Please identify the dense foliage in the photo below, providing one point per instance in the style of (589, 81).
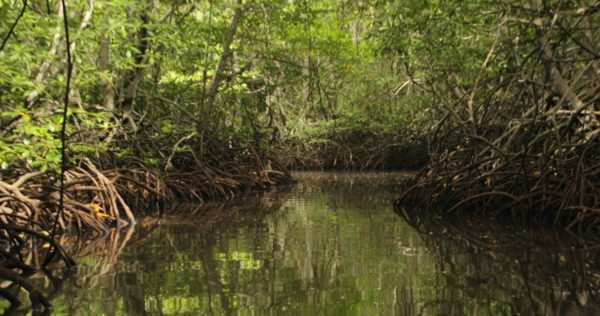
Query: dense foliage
(497, 100)
(258, 72)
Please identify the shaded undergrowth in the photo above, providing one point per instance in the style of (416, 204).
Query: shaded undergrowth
(356, 147)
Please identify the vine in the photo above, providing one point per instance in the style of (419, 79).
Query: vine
(63, 134)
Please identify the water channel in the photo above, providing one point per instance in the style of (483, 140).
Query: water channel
(330, 245)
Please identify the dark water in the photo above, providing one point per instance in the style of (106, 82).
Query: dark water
(331, 245)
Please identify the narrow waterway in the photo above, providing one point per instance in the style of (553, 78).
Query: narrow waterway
(330, 245)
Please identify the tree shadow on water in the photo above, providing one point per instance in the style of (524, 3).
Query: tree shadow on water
(488, 268)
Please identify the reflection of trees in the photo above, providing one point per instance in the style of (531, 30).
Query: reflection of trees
(51, 281)
(329, 254)
(240, 257)
(202, 271)
(209, 271)
(97, 261)
(330, 249)
(364, 191)
(490, 269)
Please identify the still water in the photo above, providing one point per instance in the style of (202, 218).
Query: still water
(330, 245)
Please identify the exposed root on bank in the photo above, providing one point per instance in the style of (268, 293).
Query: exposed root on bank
(28, 207)
(223, 178)
(92, 201)
(206, 168)
(97, 200)
(559, 186)
(526, 143)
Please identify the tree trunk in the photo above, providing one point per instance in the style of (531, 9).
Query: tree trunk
(225, 57)
(108, 93)
(132, 79)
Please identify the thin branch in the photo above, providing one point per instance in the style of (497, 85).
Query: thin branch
(12, 27)
(63, 132)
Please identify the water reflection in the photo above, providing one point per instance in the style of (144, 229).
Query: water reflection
(96, 257)
(485, 268)
(328, 246)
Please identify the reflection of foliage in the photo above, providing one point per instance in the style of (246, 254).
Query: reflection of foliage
(166, 280)
(364, 191)
(332, 251)
(328, 250)
(501, 270)
(245, 259)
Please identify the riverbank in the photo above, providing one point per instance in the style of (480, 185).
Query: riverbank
(97, 198)
(296, 251)
(107, 194)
